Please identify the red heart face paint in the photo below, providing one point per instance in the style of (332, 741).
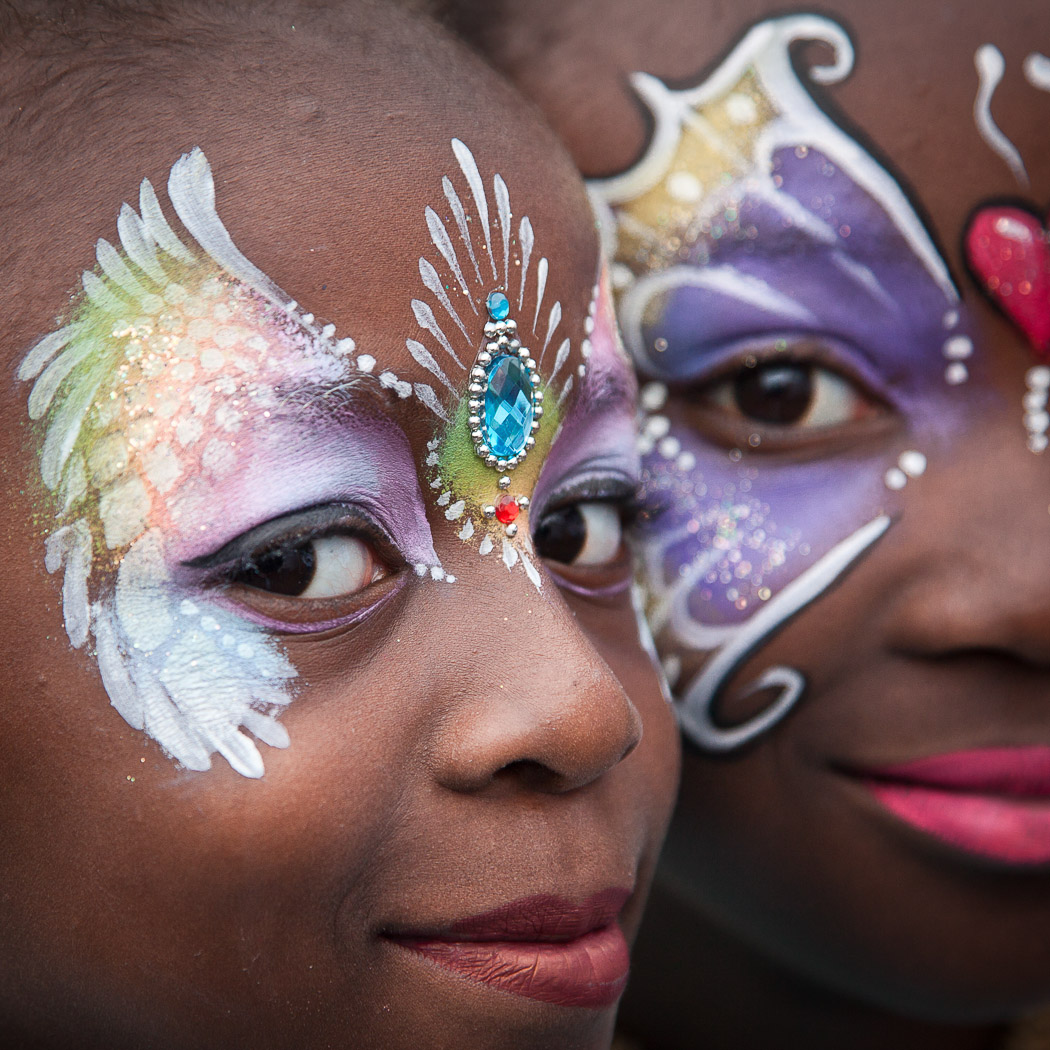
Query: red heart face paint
(1009, 252)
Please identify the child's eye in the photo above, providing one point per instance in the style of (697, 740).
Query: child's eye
(581, 534)
(323, 567)
(790, 394)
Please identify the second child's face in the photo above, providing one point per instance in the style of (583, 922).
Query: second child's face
(304, 704)
(843, 331)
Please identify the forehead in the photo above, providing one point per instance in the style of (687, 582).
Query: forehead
(323, 179)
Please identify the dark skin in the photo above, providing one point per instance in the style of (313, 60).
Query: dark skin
(790, 911)
(146, 905)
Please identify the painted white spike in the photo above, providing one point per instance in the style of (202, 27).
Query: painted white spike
(42, 352)
(157, 226)
(433, 282)
(443, 243)
(95, 289)
(430, 400)
(467, 531)
(502, 195)
(469, 167)
(266, 729)
(426, 359)
(560, 358)
(526, 239)
(510, 554)
(552, 324)
(541, 287)
(138, 245)
(114, 267)
(64, 429)
(45, 388)
(990, 65)
(531, 571)
(119, 687)
(192, 192)
(565, 391)
(460, 216)
(426, 319)
(486, 545)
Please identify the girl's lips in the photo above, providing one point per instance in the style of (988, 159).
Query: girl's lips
(993, 802)
(543, 948)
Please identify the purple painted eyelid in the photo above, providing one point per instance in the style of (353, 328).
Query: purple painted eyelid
(281, 627)
(849, 359)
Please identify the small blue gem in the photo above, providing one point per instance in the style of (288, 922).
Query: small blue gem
(508, 407)
(498, 306)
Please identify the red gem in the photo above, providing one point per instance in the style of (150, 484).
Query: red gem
(506, 509)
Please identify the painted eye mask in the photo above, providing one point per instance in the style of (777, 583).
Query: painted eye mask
(223, 470)
(794, 318)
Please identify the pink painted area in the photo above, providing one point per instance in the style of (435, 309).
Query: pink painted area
(1008, 250)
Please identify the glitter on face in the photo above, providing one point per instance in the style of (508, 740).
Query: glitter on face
(744, 171)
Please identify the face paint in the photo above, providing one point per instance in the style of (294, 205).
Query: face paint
(1007, 248)
(499, 353)
(172, 405)
(759, 247)
(990, 65)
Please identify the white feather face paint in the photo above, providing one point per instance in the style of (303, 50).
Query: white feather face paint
(757, 242)
(157, 401)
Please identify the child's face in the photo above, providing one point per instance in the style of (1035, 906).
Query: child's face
(286, 704)
(847, 554)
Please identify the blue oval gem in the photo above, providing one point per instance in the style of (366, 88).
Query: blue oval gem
(498, 306)
(508, 407)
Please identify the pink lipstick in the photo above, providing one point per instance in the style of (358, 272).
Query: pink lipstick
(542, 947)
(993, 802)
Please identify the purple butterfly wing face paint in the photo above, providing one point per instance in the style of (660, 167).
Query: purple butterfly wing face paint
(760, 249)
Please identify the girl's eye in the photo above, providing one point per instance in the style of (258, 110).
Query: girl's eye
(790, 394)
(581, 534)
(324, 567)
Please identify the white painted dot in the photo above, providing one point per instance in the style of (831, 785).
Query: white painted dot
(1034, 400)
(956, 373)
(366, 362)
(245, 651)
(653, 396)
(741, 108)
(1038, 378)
(950, 319)
(588, 325)
(685, 187)
(958, 348)
(670, 447)
(686, 461)
(912, 463)
(420, 569)
(620, 276)
(436, 572)
(657, 426)
(895, 479)
(1037, 422)
(1037, 443)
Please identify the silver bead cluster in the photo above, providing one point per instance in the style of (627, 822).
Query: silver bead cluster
(501, 338)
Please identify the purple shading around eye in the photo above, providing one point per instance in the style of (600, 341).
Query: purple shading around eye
(818, 256)
(305, 457)
(598, 435)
